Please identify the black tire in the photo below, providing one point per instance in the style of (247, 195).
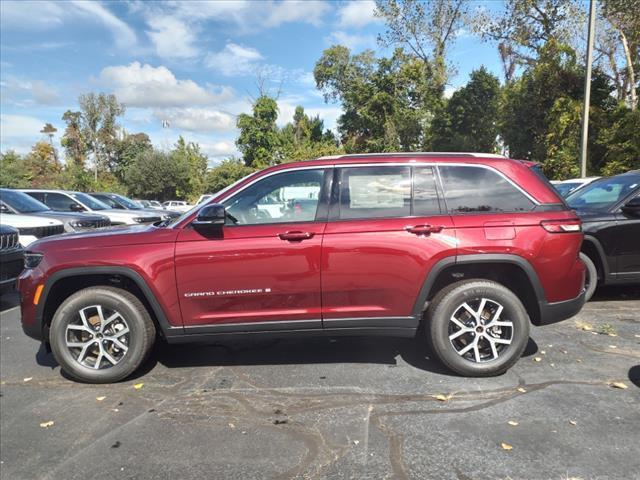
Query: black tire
(140, 338)
(449, 301)
(591, 278)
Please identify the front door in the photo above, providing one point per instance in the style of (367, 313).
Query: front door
(263, 266)
(385, 232)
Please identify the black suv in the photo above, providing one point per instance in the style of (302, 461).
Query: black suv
(610, 212)
(11, 258)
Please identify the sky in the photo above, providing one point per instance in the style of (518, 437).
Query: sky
(193, 65)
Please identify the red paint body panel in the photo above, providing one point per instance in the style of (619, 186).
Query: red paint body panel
(285, 274)
(375, 268)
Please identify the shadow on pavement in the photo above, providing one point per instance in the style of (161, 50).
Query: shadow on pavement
(616, 292)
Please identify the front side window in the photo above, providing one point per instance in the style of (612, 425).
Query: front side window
(89, 201)
(108, 201)
(471, 189)
(281, 198)
(21, 202)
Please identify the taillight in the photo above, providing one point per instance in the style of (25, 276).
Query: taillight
(562, 226)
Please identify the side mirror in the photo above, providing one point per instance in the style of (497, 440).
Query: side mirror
(210, 215)
(74, 207)
(632, 207)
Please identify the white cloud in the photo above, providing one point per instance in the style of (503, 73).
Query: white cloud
(197, 119)
(357, 13)
(138, 85)
(234, 60)
(44, 14)
(172, 37)
(287, 107)
(220, 149)
(352, 42)
(296, 11)
(123, 35)
(22, 92)
(20, 132)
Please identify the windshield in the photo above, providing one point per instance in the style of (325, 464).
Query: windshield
(22, 202)
(89, 201)
(200, 205)
(603, 194)
(127, 202)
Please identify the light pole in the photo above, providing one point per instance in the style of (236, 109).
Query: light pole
(587, 90)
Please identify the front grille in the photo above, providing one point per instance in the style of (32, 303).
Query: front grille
(40, 232)
(91, 224)
(11, 269)
(9, 241)
(151, 219)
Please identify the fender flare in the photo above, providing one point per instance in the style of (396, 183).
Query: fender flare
(477, 259)
(127, 272)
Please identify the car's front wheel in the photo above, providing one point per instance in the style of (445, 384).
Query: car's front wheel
(591, 276)
(101, 334)
(477, 328)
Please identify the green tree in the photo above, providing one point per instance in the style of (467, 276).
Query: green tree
(306, 138)
(424, 29)
(388, 103)
(225, 173)
(98, 121)
(13, 171)
(259, 139)
(127, 150)
(620, 140)
(73, 140)
(188, 153)
(43, 170)
(156, 174)
(470, 120)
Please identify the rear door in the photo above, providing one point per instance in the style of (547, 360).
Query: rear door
(385, 232)
(262, 269)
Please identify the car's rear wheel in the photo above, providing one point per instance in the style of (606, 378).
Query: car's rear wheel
(591, 276)
(101, 334)
(477, 328)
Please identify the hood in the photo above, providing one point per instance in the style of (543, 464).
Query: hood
(114, 237)
(27, 221)
(69, 216)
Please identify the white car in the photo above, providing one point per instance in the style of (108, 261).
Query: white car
(565, 187)
(63, 201)
(32, 228)
(177, 205)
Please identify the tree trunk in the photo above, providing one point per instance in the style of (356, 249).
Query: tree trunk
(633, 95)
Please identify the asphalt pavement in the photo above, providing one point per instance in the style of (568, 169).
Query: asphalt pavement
(361, 408)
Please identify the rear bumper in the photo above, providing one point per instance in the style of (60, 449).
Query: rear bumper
(558, 311)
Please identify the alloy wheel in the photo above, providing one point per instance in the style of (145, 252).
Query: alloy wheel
(98, 337)
(477, 332)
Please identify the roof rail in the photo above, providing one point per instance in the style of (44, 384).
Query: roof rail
(412, 154)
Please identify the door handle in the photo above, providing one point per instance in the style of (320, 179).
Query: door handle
(295, 236)
(425, 230)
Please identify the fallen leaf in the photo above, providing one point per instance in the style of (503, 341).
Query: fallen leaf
(579, 361)
(522, 390)
(543, 352)
(46, 424)
(613, 346)
(138, 386)
(442, 398)
(356, 442)
(28, 379)
(612, 334)
(231, 425)
(620, 385)
(513, 423)
(100, 398)
(573, 422)
(506, 446)
(537, 359)
(637, 336)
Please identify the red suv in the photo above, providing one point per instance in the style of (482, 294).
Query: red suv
(471, 247)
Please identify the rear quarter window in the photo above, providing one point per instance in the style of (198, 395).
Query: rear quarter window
(471, 189)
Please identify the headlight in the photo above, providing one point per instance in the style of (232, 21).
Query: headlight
(140, 219)
(77, 224)
(32, 260)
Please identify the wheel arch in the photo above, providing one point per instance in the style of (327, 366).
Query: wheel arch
(512, 271)
(63, 283)
(592, 248)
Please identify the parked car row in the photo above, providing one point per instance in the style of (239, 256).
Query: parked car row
(38, 213)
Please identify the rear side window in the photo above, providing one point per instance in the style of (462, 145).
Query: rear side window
(470, 189)
(59, 202)
(375, 192)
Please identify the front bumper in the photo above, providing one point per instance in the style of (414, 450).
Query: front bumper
(558, 311)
